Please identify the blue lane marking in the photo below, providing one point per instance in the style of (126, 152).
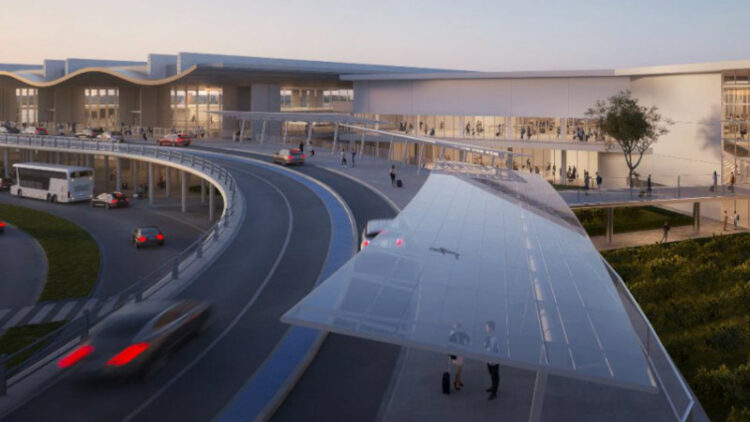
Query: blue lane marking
(257, 394)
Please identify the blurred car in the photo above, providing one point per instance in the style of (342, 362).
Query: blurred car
(89, 133)
(289, 156)
(174, 140)
(2, 226)
(7, 128)
(31, 130)
(5, 183)
(111, 200)
(149, 235)
(3, 129)
(111, 136)
(138, 339)
(371, 230)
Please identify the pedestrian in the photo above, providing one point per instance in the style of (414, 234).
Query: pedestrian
(343, 158)
(354, 154)
(312, 152)
(731, 182)
(726, 220)
(301, 147)
(715, 180)
(648, 185)
(393, 175)
(598, 181)
(492, 346)
(665, 228)
(736, 220)
(586, 181)
(458, 336)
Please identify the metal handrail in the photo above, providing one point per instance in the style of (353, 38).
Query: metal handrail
(652, 341)
(77, 329)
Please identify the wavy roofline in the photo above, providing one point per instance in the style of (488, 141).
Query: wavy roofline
(109, 71)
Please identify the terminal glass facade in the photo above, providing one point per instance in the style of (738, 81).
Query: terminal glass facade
(192, 108)
(27, 105)
(101, 107)
(735, 103)
(301, 99)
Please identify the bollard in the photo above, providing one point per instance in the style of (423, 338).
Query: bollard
(3, 385)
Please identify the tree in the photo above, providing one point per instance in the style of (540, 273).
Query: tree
(634, 127)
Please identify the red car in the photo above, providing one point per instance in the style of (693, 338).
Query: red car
(174, 140)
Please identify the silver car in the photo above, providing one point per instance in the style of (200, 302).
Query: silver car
(108, 136)
(372, 229)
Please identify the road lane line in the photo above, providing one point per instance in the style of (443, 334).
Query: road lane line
(17, 317)
(63, 313)
(42, 313)
(237, 318)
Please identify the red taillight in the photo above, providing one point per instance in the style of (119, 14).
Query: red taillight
(159, 236)
(128, 354)
(399, 242)
(114, 201)
(141, 239)
(290, 157)
(76, 355)
(366, 243)
(2, 224)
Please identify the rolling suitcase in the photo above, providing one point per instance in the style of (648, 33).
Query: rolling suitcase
(399, 183)
(447, 380)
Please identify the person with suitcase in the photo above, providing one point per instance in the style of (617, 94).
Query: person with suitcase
(393, 175)
(458, 336)
(492, 346)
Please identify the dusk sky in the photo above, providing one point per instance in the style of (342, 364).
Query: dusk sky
(474, 35)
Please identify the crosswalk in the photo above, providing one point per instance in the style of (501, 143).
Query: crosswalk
(57, 311)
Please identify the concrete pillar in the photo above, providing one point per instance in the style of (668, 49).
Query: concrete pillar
(133, 175)
(106, 172)
(696, 217)
(564, 165)
(610, 230)
(203, 191)
(406, 151)
(263, 132)
(362, 145)
(151, 183)
(309, 132)
(211, 202)
(563, 128)
(183, 190)
(58, 157)
(118, 174)
(6, 162)
(168, 181)
(335, 137)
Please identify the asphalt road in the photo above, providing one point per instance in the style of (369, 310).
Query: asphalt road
(271, 264)
(349, 377)
(122, 264)
(24, 268)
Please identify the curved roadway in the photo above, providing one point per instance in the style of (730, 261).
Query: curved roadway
(273, 262)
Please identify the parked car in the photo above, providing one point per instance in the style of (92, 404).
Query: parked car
(111, 136)
(7, 128)
(371, 230)
(289, 156)
(111, 200)
(89, 133)
(5, 183)
(137, 340)
(32, 130)
(148, 235)
(174, 140)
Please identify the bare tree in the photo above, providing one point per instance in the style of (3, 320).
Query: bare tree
(635, 128)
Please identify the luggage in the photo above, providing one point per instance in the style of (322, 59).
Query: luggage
(399, 183)
(446, 382)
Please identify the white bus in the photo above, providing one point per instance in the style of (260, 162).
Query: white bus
(53, 182)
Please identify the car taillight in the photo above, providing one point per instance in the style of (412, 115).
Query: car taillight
(159, 236)
(141, 239)
(114, 201)
(127, 199)
(2, 223)
(76, 355)
(366, 243)
(128, 354)
(290, 157)
(399, 242)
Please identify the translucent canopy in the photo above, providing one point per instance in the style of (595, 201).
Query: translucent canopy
(479, 248)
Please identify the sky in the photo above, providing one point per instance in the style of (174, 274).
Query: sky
(488, 35)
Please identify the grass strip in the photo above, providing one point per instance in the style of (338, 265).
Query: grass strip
(17, 338)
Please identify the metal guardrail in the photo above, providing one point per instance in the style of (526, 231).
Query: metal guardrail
(29, 359)
(676, 390)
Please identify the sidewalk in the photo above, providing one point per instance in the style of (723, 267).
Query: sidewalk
(625, 240)
(369, 170)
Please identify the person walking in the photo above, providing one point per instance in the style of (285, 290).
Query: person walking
(731, 182)
(301, 147)
(458, 336)
(354, 154)
(715, 180)
(726, 220)
(343, 158)
(492, 346)
(586, 180)
(598, 181)
(666, 227)
(648, 185)
(392, 173)
(736, 220)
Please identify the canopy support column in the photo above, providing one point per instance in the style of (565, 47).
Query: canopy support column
(390, 149)
(150, 191)
(242, 130)
(420, 160)
(537, 400)
(168, 180)
(6, 162)
(106, 170)
(406, 151)
(133, 175)
(286, 130)
(263, 132)
(362, 145)
(211, 202)
(183, 190)
(335, 137)
(696, 217)
(610, 224)
(309, 133)
(118, 174)
(203, 191)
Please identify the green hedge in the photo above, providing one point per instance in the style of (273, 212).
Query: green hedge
(72, 254)
(696, 293)
(630, 219)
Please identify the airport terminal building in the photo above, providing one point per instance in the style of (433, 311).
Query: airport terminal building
(539, 113)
